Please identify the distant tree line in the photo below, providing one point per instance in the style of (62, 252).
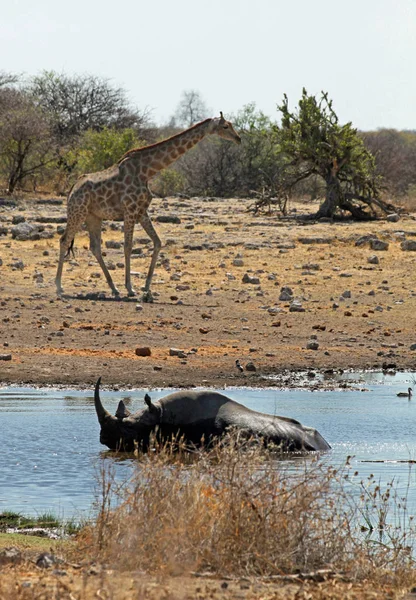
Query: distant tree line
(54, 127)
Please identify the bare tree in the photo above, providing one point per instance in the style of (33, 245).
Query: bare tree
(8, 79)
(191, 109)
(25, 137)
(81, 102)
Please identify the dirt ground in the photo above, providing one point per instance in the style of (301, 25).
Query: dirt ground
(359, 314)
(353, 305)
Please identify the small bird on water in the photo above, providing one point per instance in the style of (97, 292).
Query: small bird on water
(407, 394)
(238, 365)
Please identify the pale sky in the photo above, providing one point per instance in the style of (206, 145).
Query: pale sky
(362, 52)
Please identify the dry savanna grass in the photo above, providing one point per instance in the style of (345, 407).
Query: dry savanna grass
(238, 511)
(231, 522)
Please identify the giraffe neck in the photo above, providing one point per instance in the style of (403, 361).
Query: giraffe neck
(152, 159)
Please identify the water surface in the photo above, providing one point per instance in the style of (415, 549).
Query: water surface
(51, 453)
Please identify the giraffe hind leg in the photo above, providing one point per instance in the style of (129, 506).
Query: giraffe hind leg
(94, 229)
(66, 245)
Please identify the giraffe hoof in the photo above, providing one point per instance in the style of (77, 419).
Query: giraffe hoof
(131, 293)
(147, 297)
(115, 292)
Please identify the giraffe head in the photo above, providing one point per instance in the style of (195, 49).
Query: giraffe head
(224, 129)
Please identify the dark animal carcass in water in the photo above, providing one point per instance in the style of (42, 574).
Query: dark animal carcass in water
(199, 417)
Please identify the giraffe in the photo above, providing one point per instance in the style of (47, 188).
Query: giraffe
(121, 192)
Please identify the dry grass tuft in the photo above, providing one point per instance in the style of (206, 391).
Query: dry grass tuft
(240, 511)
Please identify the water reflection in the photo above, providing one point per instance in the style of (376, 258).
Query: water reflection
(51, 452)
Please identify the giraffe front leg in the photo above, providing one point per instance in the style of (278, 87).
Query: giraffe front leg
(128, 245)
(147, 225)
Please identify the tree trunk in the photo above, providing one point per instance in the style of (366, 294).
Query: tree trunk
(333, 197)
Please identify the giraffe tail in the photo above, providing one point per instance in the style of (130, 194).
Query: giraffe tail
(71, 246)
(71, 249)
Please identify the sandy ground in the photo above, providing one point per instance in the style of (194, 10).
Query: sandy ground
(360, 314)
(202, 305)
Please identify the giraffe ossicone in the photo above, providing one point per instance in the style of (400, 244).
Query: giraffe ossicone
(121, 192)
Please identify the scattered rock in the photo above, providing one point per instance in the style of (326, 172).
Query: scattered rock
(378, 245)
(25, 231)
(250, 366)
(286, 294)
(143, 351)
(413, 347)
(238, 262)
(315, 240)
(112, 244)
(346, 294)
(168, 219)
(312, 345)
(408, 245)
(374, 260)
(248, 279)
(177, 352)
(296, 306)
(17, 264)
(47, 560)
(16, 219)
(393, 218)
(10, 555)
(365, 239)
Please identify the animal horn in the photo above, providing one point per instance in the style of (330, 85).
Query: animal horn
(102, 414)
(221, 116)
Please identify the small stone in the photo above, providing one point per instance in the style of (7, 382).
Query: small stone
(250, 366)
(296, 306)
(373, 260)
(17, 264)
(286, 294)
(139, 307)
(346, 294)
(5, 357)
(46, 560)
(143, 351)
(312, 345)
(176, 352)
(408, 245)
(238, 262)
(10, 555)
(203, 330)
(248, 279)
(393, 218)
(378, 245)
(168, 219)
(413, 347)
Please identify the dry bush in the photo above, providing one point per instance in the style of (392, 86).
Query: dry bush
(242, 511)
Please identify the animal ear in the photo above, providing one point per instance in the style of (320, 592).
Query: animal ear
(148, 400)
(122, 411)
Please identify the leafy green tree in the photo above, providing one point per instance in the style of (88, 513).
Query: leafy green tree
(98, 150)
(259, 157)
(315, 143)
